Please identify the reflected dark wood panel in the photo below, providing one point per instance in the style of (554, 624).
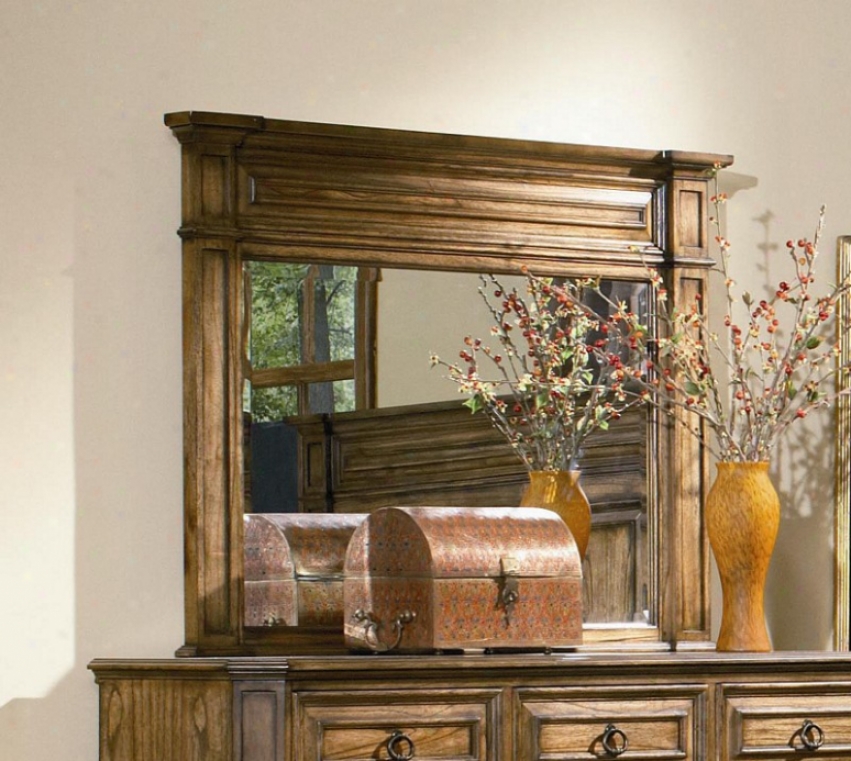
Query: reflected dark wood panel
(439, 454)
(615, 578)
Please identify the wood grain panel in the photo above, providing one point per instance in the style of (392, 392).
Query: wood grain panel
(168, 720)
(615, 572)
(659, 723)
(689, 481)
(454, 724)
(689, 233)
(213, 186)
(215, 440)
(260, 723)
(440, 454)
(765, 721)
(377, 198)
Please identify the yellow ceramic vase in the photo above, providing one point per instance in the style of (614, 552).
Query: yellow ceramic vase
(742, 519)
(559, 491)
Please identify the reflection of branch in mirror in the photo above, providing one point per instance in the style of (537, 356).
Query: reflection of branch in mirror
(538, 378)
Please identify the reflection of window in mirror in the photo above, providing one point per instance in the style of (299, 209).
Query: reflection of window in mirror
(308, 349)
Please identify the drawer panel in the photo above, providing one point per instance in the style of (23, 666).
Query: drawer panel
(371, 727)
(771, 720)
(649, 722)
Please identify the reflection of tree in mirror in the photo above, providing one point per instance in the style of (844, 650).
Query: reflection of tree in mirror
(274, 339)
(300, 338)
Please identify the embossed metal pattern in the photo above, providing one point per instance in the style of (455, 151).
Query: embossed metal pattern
(317, 542)
(266, 552)
(271, 603)
(320, 602)
(547, 613)
(444, 565)
(457, 542)
(385, 598)
(294, 568)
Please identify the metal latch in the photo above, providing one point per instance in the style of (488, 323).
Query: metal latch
(509, 592)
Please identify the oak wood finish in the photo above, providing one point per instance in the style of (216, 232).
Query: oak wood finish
(262, 188)
(272, 189)
(842, 462)
(440, 454)
(533, 707)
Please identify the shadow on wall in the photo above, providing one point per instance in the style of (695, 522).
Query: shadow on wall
(124, 518)
(54, 726)
(799, 593)
(800, 590)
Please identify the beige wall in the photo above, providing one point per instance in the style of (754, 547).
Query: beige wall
(425, 313)
(90, 367)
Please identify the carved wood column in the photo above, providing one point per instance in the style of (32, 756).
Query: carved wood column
(212, 300)
(687, 578)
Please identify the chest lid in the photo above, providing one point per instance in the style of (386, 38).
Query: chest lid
(462, 542)
(297, 545)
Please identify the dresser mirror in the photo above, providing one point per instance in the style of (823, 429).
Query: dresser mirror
(342, 350)
(418, 208)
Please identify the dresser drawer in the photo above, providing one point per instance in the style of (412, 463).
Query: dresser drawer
(775, 721)
(647, 722)
(395, 726)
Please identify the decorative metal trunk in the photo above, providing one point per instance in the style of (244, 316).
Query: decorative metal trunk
(294, 567)
(421, 579)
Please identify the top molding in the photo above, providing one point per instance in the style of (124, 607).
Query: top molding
(182, 122)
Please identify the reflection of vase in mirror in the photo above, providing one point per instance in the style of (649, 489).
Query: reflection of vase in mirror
(561, 492)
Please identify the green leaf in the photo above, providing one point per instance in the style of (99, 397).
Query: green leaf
(692, 388)
(814, 342)
(474, 404)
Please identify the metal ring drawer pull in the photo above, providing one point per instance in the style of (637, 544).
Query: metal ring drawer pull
(400, 747)
(614, 740)
(812, 736)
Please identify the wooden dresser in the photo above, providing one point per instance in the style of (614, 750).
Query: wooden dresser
(646, 684)
(477, 707)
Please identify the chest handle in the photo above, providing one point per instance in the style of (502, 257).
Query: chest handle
(371, 627)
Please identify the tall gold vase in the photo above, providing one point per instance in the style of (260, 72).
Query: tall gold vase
(742, 519)
(560, 491)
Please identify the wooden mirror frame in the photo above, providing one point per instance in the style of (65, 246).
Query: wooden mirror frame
(842, 463)
(271, 189)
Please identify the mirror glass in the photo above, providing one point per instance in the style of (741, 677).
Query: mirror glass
(337, 372)
(300, 339)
